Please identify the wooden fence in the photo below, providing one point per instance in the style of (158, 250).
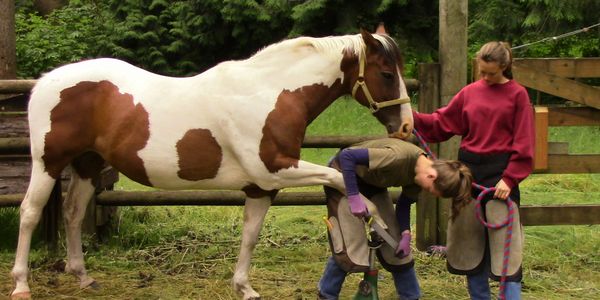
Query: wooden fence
(430, 215)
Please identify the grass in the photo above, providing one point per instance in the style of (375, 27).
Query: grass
(190, 252)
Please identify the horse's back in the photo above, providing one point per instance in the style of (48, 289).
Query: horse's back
(93, 70)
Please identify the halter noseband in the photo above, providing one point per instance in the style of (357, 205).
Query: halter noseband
(360, 82)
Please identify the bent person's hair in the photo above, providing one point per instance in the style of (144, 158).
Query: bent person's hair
(453, 181)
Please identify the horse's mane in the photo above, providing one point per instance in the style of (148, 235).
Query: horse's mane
(331, 46)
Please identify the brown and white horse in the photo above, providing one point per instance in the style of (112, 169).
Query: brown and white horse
(239, 125)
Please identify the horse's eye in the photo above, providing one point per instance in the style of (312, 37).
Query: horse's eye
(387, 75)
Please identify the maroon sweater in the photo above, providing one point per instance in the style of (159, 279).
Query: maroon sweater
(491, 119)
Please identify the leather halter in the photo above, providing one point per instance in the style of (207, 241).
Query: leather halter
(360, 82)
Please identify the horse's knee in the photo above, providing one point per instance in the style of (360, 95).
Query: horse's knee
(19, 273)
(29, 218)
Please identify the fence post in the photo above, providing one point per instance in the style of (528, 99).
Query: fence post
(52, 217)
(97, 218)
(427, 205)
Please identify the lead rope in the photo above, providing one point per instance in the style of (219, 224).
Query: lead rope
(508, 223)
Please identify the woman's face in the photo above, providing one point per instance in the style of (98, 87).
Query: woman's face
(491, 72)
(424, 177)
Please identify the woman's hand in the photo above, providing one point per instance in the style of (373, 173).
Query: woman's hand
(358, 206)
(502, 190)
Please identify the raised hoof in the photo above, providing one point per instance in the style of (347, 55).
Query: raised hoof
(252, 298)
(20, 296)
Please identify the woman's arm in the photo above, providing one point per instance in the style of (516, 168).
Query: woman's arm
(349, 159)
(520, 164)
(443, 123)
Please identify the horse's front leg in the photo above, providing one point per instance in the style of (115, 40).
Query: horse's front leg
(255, 210)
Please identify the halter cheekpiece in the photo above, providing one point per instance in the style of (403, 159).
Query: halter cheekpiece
(360, 82)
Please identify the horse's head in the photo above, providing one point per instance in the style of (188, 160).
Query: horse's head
(378, 84)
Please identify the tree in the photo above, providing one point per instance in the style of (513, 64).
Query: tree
(8, 57)
(524, 21)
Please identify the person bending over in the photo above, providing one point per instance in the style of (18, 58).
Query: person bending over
(368, 169)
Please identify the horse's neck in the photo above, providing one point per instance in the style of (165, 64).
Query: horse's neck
(313, 78)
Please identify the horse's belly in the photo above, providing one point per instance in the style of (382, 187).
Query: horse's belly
(228, 176)
(223, 182)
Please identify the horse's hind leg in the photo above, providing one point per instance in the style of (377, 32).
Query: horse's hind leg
(38, 192)
(86, 169)
(254, 215)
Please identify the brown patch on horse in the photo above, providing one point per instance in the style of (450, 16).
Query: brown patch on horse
(89, 165)
(253, 191)
(95, 116)
(200, 155)
(285, 125)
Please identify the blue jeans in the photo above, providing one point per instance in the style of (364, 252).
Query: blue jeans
(330, 285)
(479, 286)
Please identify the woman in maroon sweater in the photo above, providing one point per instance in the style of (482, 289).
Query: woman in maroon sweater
(495, 119)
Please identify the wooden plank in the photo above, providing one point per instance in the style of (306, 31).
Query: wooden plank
(52, 218)
(13, 125)
(540, 157)
(573, 116)
(530, 215)
(560, 215)
(588, 67)
(453, 22)
(556, 85)
(558, 148)
(572, 164)
(427, 204)
(16, 86)
(16, 145)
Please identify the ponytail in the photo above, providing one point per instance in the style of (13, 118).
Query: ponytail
(453, 181)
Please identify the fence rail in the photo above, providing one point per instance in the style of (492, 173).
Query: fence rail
(531, 215)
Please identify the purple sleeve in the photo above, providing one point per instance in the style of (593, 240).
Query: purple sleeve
(349, 158)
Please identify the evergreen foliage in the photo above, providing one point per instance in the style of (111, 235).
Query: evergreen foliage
(524, 21)
(181, 38)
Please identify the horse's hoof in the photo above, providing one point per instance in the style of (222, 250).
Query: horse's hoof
(252, 296)
(20, 296)
(90, 283)
(95, 285)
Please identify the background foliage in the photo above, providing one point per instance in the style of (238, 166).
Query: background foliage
(186, 37)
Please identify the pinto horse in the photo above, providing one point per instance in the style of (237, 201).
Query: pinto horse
(239, 125)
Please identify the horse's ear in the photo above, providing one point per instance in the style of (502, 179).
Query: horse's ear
(381, 29)
(369, 40)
